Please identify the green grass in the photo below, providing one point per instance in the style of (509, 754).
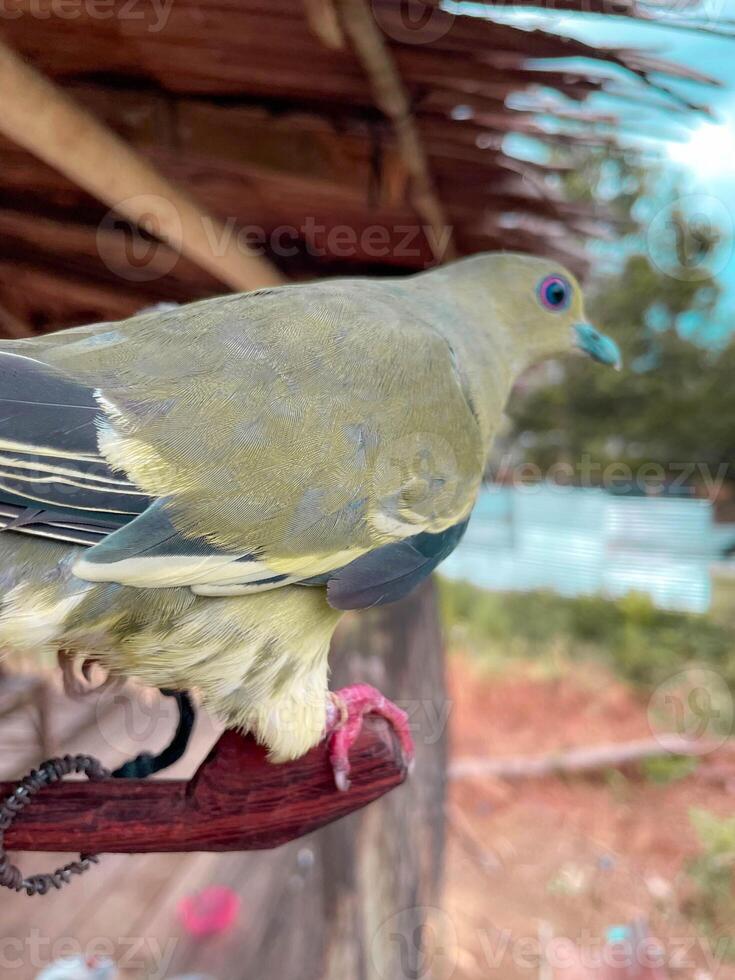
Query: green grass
(663, 770)
(723, 600)
(712, 903)
(631, 636)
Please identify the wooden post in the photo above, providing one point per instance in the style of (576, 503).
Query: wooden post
(351, 900)
(382, 869)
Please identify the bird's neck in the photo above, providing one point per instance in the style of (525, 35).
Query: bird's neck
(486, 353)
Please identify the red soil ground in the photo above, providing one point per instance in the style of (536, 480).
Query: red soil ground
(567, 857)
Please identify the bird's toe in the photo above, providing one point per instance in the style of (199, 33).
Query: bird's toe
(345, 712)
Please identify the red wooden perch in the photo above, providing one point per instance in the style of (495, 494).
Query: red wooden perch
(236, 801)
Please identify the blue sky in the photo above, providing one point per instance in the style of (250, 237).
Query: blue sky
(700, 150)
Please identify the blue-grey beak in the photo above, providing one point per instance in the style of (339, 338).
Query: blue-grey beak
(597, 345)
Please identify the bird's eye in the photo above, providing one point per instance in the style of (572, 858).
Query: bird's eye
(555, 293)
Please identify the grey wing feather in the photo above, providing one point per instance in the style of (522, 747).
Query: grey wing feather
(42, 408)
(389, 573)
(53, 481)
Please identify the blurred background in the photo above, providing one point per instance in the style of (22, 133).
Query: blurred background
(570, 675)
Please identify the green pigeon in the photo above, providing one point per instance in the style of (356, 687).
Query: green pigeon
(193, 496)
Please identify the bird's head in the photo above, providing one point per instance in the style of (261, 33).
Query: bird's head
(542, 306)
(534, 304)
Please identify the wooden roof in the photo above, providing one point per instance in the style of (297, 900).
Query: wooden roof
(265, 111)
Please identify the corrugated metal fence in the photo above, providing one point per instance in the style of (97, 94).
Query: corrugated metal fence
(583, 541)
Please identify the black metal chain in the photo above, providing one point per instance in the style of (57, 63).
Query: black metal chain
(54, 770)
(49, 772)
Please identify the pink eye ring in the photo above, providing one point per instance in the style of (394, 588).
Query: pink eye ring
(555, 293)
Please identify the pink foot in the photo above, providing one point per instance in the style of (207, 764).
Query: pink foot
(348, 707)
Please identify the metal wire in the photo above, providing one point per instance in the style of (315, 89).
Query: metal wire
(49, 772)
(54, 770)
(146, 764)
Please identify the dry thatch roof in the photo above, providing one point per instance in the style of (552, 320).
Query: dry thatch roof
(347, 136)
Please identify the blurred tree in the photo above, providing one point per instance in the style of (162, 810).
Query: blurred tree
(674, 401)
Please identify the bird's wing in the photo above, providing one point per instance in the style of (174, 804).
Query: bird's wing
(283, 434)
(390, 572)
(54, 482)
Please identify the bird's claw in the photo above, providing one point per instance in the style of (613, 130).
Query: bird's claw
(345, 712)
